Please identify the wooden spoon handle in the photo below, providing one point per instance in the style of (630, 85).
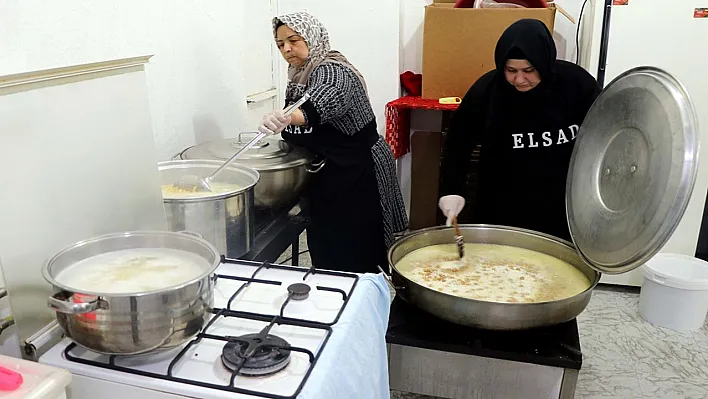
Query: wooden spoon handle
(457, 228)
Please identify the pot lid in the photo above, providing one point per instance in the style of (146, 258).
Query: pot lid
(632, 170)
(268, 154)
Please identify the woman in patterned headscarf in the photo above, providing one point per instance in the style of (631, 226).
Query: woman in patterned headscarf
(356, 205)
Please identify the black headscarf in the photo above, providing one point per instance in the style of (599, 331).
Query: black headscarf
(527, 39)
(531, 40)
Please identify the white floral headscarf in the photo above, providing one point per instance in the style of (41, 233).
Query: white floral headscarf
(317, 39)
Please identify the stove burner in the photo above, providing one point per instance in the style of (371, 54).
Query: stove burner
(299, 291)
(267, 356)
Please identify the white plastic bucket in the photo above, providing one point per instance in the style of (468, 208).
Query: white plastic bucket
(675, 292)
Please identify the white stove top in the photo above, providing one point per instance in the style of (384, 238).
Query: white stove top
(200, 372)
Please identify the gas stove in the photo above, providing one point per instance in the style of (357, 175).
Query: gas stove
(269, 329)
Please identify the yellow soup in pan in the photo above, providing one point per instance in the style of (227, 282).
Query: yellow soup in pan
(493, 273)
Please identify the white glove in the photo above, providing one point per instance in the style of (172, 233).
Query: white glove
(274, 122)
(451, 206)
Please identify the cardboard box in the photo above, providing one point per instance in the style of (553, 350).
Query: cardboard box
(458, 43)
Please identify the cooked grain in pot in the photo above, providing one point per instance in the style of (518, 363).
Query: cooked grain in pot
(172, 191)
(493, 273)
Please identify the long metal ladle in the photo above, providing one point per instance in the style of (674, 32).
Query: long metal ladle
(194, 183)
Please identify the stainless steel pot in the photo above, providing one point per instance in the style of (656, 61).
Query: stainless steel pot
(226, 220)
(631, 175)
(134, 323)
(284, 168)
(482, 314)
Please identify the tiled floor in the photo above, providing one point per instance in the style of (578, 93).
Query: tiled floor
(626, 357)
(623, 355)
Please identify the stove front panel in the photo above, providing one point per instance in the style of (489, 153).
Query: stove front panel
(453, 375)
(87, 387)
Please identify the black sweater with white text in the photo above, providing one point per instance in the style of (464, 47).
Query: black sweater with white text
(526, 143)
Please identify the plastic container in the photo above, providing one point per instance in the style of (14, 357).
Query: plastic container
(37, 380)
(494, 4)
(508, 4)
(675, 292)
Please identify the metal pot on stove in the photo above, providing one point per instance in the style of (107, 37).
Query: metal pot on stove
(136, 322)
(631, 176)
(283, 167)
(225, 219)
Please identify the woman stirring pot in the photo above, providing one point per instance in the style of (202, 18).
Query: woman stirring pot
(356, 205)
(526, 115)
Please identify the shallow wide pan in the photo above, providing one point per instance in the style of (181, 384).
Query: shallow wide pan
(483, 314)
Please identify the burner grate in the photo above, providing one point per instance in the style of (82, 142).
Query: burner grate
(272, 320)
(256, 354)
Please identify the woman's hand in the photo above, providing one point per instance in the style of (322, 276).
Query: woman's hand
(451, 206)
(274, 122)
(298, 118)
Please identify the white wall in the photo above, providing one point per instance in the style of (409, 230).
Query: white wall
(565, 31)
(195, 78)
(87, 168)
(411, 41)
(411, 49)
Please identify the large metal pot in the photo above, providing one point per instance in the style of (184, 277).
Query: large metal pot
(134, 323)
(631, 177)
(284, 168)
(491, 315)
(227, 219)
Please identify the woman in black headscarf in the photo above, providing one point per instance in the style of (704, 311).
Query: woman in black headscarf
(526, 115)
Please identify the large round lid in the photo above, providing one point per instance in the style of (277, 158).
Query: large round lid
(268, 154)
(632, 170)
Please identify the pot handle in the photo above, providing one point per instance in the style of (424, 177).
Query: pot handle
(191, 233)
(315, 166)
(6, 323)
(256, 145)
(58, 303)
(388, 279)
(403, 234)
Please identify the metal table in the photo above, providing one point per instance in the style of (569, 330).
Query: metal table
(275, 232)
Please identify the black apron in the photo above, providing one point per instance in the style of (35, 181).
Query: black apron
(346, 230)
